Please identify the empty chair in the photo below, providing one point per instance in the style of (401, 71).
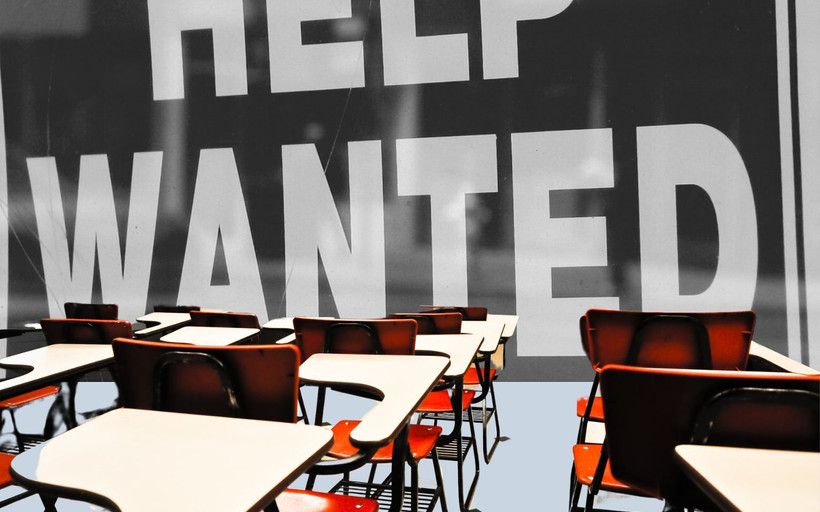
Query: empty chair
(670, 340)
(77, 330)
(649, 411)
(256, 382)
(91, 310)
(434, 322)
(84, 331)
(73, 330)
(361, 336)
(467, 312)
(612, 333)
(482, 376)
(223, 319)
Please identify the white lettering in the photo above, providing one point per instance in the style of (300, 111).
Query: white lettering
(542, 162)
(499, 31)
(447, 169)
(219, 207)
(298, 67)
(167, 19)
(409, 59)
(96, 232)
(807, 19)
(356, 273)
(698, 155)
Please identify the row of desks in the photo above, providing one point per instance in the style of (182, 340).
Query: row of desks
(125, 456)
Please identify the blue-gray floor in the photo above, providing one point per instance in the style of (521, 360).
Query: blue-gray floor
(530, 469)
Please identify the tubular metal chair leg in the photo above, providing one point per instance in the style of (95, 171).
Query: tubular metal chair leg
(574, 489)
(464, 500)
(488, 455)
(370, 479)
(439, 480)
(474, 484)
(590, 502)
(49, 502)
(482, 368)
(311, 481)
(18, 436)
(414, 484)
(303, 409)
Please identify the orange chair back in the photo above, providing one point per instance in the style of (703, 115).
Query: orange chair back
(264, 379)
(467, 312)
(95, 311)
(668, 340)
(214, 319)
(434, 323)
(649, 411)
(84, 330)
(355, 336)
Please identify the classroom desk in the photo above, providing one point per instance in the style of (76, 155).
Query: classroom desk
(143, 460)
(510, 322)
(20, 328)
(403, 381)
(753, 480)
(491, 332)
(461, 349)
(778, 361)
(52, 363)
(158, 322)
(499, 358)
(285, 323)
(280, 330)
(210, 336)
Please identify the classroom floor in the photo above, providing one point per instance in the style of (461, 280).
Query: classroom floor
(529, 469)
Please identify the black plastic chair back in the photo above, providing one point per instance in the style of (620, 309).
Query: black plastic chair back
(779, 419)
(170, 360)
(91, 311)
(353, 338)
(426, 325)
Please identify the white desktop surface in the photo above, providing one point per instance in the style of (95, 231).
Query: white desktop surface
(460, 348)
(510, 323)
(402, 380)
(51, 363)
(753, 480)
(209, 336)
(161, 461)
(490, 331)
(163, 321)
(285, 322)
(778, 359)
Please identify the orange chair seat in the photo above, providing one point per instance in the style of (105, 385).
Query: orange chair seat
(31, 396)
(422, 439)
(586, 460)
(439, 401)
(295, 500)
(597, 412)
(5, 463)
(471, 377)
